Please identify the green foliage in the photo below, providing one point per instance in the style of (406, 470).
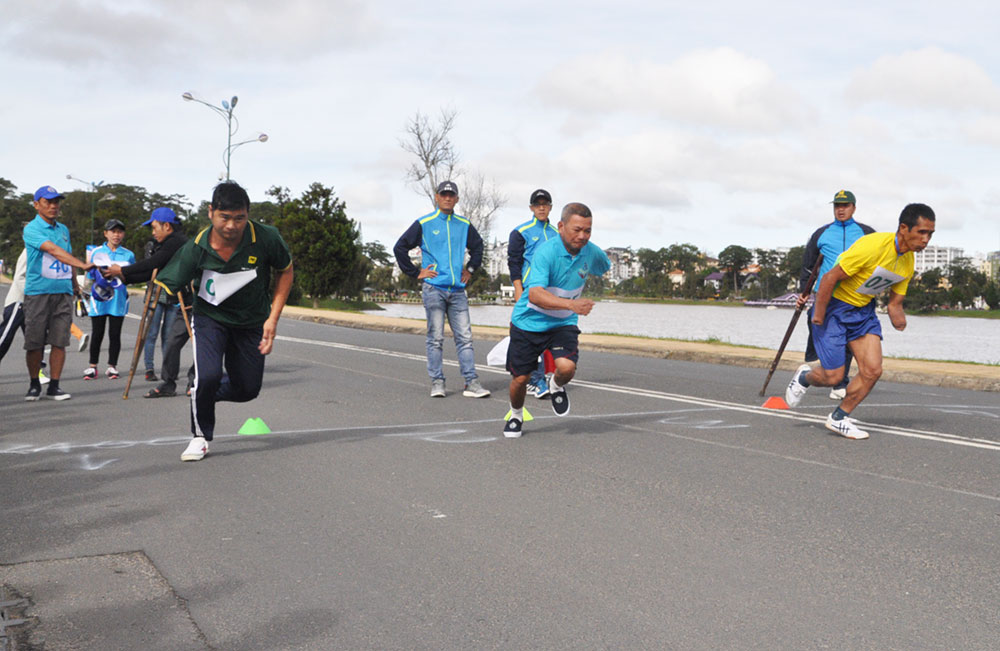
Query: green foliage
(325, 244)
(733, 259)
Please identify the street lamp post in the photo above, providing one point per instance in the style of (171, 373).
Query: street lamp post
(93, 200)
(232, 125)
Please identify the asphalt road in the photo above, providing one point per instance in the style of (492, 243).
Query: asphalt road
(668, 510)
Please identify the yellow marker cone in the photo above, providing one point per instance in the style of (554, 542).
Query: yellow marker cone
(527, 416)
(254, 427)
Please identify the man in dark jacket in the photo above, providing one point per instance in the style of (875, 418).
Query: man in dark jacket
(169, 239)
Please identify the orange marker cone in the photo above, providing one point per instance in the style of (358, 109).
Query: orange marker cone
(775, 402)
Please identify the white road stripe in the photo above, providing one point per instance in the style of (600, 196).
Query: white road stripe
(940, 437)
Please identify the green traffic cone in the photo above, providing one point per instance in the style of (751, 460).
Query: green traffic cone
(254, 427)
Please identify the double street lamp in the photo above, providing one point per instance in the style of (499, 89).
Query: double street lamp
(232, 125)
(93, 200)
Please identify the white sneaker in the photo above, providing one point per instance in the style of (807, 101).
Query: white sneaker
(196, 449)
(795, 390)
(846, 428)
(838, 394)
(84, 340)
(42, 379)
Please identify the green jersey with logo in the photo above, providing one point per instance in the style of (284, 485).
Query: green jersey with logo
(234, 292)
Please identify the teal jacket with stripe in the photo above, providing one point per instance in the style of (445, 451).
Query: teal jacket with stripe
(522, 243)
(443, 240)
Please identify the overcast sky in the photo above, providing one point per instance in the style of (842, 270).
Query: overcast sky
(710, 122)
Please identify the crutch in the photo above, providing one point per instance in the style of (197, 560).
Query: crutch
(187, 322)
(791, 326)
(152, 292)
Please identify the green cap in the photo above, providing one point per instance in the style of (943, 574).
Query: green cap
(844, 196)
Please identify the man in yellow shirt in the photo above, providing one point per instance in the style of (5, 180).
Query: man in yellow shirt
(844, 312)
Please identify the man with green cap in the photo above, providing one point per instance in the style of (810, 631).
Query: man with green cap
(831, 240)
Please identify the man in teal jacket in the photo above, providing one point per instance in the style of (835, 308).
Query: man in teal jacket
(443, 238)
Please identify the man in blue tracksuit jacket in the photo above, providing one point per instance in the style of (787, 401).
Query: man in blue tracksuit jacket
(524, 239)
(443, 238)
(831, 240)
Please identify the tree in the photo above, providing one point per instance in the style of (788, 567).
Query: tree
(438, 160)
(325, 244)
(377, 253)
(733, 259)
(651, 262)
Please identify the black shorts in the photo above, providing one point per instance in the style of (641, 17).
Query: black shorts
(525, 347)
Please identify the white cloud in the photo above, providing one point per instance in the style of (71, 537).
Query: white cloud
(717, 88)
(929, 78)
(136, 35)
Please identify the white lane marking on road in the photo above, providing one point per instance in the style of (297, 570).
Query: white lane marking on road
(87, 464)
(433, 435)
(940, 437)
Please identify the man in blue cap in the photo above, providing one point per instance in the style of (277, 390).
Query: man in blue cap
(168, 240)
(49, 287)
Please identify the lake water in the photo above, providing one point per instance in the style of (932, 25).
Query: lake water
(925, 337)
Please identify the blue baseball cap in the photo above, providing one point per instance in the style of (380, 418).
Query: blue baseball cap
(164, 215)
(47, 192)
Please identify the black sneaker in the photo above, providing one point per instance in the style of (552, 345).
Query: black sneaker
(151, 376)
(33, 393)
(56, 394)
(512, 429)
(560, 402)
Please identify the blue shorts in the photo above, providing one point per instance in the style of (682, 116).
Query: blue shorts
(843, 323)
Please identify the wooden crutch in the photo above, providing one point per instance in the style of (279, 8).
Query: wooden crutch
(152, 296)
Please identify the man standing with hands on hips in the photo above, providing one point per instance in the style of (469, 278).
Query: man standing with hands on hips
(235, 318)
(844, 313)
(443, 238)
(546, 315)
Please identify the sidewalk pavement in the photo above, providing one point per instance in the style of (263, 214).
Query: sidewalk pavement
(958, 375)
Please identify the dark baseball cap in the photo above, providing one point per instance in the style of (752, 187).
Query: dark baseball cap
(540, 195)
(47, 192)
(447, 186)
(112, 224)
(165, 215)
(844, 196)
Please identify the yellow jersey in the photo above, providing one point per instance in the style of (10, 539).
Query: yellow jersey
(872, 266)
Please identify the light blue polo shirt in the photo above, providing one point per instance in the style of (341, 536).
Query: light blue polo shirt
(45, 274)
(118, 305)
(554, 269)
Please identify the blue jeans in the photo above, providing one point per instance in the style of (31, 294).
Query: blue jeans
(166, 314)
(437, 303)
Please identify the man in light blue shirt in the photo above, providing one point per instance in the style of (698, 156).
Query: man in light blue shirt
(48, 292)
(545, 317)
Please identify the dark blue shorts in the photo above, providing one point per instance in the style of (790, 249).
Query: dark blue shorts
(526, 346)
(843, 323)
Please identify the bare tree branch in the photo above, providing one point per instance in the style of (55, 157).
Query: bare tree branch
(479, 202)
(437, 159)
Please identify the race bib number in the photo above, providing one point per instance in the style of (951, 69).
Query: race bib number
(216, 287)
(880, 280)
(55, 270)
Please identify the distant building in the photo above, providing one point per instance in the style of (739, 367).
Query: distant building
(936, 257)
(496, 259)
(624, 264)
(991, 267)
